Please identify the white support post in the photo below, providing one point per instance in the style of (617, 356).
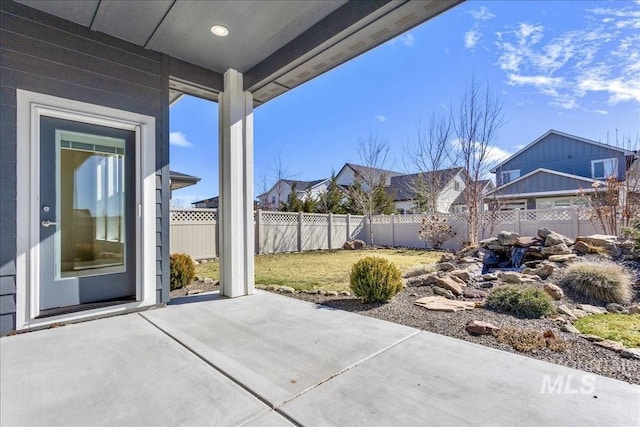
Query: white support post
(235, 213)
(330, 231)
(259, 232)
(300, 221)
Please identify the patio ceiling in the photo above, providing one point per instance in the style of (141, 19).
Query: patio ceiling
(276, 44)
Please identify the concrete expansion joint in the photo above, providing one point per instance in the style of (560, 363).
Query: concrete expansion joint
(359, 362)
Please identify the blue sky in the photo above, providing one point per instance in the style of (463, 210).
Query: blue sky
(573, 66)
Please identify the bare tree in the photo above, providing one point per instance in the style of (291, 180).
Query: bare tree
(476, 118)
(430, 153)
(274, 178)
(368, 195)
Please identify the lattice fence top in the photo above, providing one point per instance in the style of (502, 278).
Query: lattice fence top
(547, 215)
(193, 215)
(500, 217)
(279, 218)
(308, 219)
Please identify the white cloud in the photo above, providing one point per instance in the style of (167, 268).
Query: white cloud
(179, 139)
(381, 118)
(408, 39)
(601, 112)
(481, 14)
(471, 38)
(602, 56)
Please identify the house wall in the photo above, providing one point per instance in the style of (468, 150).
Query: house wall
(345, 177)
(45, 54)
(543, 181)
(449, 194)
(563, 154)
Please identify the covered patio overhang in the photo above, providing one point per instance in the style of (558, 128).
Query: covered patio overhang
(270, 48)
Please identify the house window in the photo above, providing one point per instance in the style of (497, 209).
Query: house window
(604, 168)
(508, 176)
(273, 200)
(456, 186)
(514, 204)
(562, 203)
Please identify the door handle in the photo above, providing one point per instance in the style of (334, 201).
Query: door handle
(47, 223)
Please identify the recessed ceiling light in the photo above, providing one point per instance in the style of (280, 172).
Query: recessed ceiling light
(220, 30)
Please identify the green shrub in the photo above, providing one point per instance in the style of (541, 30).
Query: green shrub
(375, 279)
(603, 281)
(182, 271)
(521, 301)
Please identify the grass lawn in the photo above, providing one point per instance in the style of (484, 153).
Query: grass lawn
(617, 327)
(328, 270)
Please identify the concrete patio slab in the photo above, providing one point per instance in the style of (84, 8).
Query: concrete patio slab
(432, 379)
(275, 346)
(116, 371)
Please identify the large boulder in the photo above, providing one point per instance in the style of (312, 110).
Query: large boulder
(544, 232)
(450, 284)
(422, 280)
(508, 238)
(559, 249)
(554, 291)
(478, 327)
(443, 292)
(554, 238)
(562, 258)
(443, 304)
(351, 245)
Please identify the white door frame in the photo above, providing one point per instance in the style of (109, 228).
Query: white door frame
(30, 106)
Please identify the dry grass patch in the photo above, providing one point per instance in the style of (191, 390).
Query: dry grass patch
(530, 341)
(321, 269)
(617, 327)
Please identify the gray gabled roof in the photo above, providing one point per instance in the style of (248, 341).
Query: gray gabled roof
(304, 185)
(566, 135)
(403, 186)
(373, 172)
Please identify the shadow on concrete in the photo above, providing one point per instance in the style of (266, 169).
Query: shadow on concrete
(189, 299)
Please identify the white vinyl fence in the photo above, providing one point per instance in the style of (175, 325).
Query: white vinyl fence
(193, 231)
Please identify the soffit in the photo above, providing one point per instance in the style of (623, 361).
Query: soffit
(276, 44)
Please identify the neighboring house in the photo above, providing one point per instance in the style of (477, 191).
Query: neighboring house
(460, 204)
(211, 203)
(350, 172)
(179, 180)
(281, 190)
(556, 170)
(407, 190)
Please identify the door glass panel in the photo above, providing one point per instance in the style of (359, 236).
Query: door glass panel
(91, 207)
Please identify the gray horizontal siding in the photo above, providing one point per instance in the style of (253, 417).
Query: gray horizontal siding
(562, 154)
(543, 181)
(46, 54)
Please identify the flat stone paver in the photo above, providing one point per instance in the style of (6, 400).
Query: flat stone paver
(276, 346)
(431, 379)
(116, 371)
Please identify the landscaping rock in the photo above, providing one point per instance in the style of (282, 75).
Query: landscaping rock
(563, 258)
(591, 309)
(554, 238)
(615, 308)
(508, 238)
(422, 280)
(273, 288)
(321, 292)
(351, 245)
(443, 292)
(634, 309)
(474, 293)
(631, 353)
(554, 290)
(563, 309)
(544, 270)
(578, 313)
(447, 257)
(208, 281)
(450, 284)
(486, 285)
(559, 249)
(616, 346)
(568, 327)
(462, 275)
(544, 232)
(489, 277)
(445, 266)
(581, 247)
(591, 337)
(510, 277)
(478, 327)
(286, 290)
(194, 292)
(443, 304)
(332, 293)
(525, 242)
(345, 294)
